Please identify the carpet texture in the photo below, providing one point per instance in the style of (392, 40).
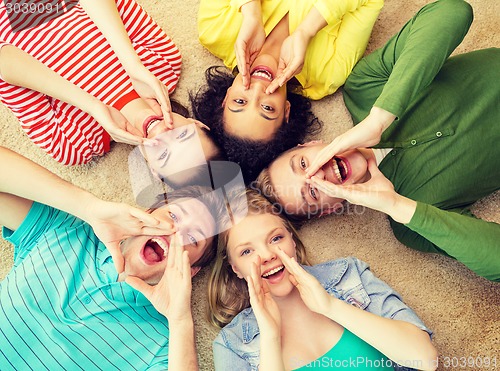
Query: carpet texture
(461, 308)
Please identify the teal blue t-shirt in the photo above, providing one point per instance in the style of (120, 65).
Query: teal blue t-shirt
(350, 352)
(62, 309)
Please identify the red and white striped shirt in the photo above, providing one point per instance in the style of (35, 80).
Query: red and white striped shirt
(72, 46)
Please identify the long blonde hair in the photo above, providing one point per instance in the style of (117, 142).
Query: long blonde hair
(228, 294)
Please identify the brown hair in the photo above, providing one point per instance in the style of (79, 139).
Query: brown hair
(228, 294)
(213, 202)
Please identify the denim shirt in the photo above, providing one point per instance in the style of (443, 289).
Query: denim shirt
(237, 345)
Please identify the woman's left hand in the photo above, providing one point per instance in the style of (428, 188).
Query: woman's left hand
(263, 305)
(172, 295)
(312, 293)
(148, 86)
(292, 55)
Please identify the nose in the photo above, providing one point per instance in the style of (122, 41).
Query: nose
(320, 174)
(267, 255)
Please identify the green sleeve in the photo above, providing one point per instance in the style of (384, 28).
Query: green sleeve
(472, 241)
(392, 76)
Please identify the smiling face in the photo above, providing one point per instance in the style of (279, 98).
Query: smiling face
(253, 114)
(146, 256)
(184, 147)
(259, 235)
(288, 176)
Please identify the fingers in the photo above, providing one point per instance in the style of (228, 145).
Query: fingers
(325, 186)
(140, 286)
(241, 60)
(321, 158)
(276, 83)
(123, 136)
(199, 123)
(116, 255)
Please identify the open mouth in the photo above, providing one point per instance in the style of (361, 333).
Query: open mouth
(149, 124)
(263, 73)
(155, 250)
(340, 168)
(274, 273)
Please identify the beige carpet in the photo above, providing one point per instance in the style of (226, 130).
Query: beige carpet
(461, 308)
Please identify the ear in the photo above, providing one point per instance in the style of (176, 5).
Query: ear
(287, 111)
(238, 274)
(311, 143)
(194, 270)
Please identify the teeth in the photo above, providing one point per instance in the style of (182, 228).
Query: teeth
(272, 271)
(264, 74)
(162, 244)
(151, 125)
(337, 171)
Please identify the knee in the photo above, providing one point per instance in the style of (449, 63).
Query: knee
(458, 11)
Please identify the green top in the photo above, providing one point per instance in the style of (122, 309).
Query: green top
(446, 136)
(350, 352)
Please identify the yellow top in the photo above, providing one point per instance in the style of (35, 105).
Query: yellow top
(331, 54)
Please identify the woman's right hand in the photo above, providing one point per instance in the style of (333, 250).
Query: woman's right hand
(118, 126)
(264, 307)
(312, 293)
(366, 134)
(250, 40)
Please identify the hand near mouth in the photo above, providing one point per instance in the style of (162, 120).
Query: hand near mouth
(265, 308)
(364, 135)
(113, 222)
(377, 193)
(172, 295)
(312, 293)
(292, 55)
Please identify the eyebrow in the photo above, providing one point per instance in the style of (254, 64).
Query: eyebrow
(261, 114)
(244, 244)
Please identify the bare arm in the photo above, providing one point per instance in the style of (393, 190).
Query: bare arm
(19, 68)
(111, 221)
(401, 341)
(172, 298)
(105, 15)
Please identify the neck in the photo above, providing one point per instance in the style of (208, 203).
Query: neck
(291, 308)
(274, 40)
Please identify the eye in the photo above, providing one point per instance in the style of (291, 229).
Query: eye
(163, 155)
(302, 163)
(182, 135)
(267, 108)
(276, 238)
(192, 240)
(173, 216)
(314, 193)
(245, 252)
(239, 101)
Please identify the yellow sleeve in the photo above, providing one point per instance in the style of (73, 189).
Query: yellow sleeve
(334, 10)
(237, 4)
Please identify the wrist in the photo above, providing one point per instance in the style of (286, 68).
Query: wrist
(402, 209)
(252, 11)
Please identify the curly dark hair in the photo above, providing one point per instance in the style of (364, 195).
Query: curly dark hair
(251, 155)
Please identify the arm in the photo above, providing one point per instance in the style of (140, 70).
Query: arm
(473, 242)
(294, 47)
(402, 340)
(19, 68)
(385, 83)
(269, 320)
(172, 298)
(111, 221)
(105, 15)
(251, 38)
